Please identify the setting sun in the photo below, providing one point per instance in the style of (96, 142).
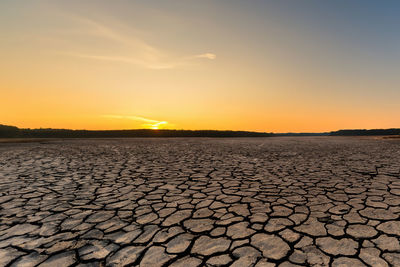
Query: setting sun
(157, 125)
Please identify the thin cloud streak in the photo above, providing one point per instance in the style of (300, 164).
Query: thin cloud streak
(136, 51)
(120, 59)
(207, 55)
(151, 124)
(135, 118)
(100, 30)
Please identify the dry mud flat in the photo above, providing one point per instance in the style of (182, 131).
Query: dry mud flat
(201, 202)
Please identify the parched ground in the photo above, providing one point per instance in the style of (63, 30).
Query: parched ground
(201, 202)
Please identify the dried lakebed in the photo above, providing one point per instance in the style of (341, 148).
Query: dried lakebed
(320, 201)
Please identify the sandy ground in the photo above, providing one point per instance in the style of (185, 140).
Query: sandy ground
(320, 201)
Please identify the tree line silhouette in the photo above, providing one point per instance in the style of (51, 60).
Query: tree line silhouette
(15, 132)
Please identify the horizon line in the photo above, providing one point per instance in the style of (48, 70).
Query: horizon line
(226, 130)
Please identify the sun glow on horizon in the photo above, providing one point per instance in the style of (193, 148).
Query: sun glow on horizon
(149, 123)
(157, 125)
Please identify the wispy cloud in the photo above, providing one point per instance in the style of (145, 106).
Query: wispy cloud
(129, 60)
(206, 55)
(131, 48)
(135, 118)
(149, 123)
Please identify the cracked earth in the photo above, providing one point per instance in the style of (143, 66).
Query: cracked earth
(320, 201)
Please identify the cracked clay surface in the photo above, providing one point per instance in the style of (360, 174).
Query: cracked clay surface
(320, 201)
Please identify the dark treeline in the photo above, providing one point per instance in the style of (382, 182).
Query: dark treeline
(8, 131)
(366, 132)
(15, 132)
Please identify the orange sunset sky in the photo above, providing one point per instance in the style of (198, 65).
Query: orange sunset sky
(274, 66)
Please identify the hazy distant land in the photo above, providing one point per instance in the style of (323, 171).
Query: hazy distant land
(15, 132)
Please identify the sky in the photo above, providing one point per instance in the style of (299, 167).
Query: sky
(273, 66)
